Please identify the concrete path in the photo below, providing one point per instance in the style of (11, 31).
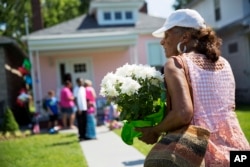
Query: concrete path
(110, 151)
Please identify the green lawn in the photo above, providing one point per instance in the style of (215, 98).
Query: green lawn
(243, 114)
(59, 150)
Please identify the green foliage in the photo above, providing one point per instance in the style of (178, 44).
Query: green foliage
(148, 95)
(84, 5)
(57, 11)
(9, 122)
(136, 89)
(13, 12)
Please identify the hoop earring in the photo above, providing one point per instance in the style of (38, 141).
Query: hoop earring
(179, 48)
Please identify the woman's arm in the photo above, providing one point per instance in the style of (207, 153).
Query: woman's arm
(181, 112)
(181, 109)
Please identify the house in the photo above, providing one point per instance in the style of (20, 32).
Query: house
(11, 61)
(231, 20)
(110, 35)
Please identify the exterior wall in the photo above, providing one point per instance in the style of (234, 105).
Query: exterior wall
(3, 93)
(103, 60)
(2, 84)
(206, 10)
(143, 47)
(240, 63)
(231, 11)
(11, 58)
(102, 63)
(107, 61)
(246, 7)
(48, 74)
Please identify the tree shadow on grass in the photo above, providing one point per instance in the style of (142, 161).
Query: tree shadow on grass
(243, 107)
(70, 135)
(61, 143)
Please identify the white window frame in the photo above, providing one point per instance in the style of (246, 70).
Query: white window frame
(113, 20)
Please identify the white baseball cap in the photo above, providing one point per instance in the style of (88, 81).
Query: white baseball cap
(181, 18)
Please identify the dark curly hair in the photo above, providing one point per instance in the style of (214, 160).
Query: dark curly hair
(206, 42)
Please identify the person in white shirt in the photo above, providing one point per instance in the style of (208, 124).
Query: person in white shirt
(81, 107)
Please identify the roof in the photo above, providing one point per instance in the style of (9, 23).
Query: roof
(242, 22)
(86, 24)
(11, 44)
(6, 40)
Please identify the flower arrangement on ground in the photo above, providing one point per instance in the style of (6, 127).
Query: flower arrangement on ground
(138, 91)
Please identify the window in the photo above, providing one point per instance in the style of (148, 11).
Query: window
(233, 48)
(107, 16)
(78, 68)
(128, 15)
(118, 15)
(156, 57)
(217, 10)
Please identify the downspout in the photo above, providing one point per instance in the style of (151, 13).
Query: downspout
(26, 21)
(39, 77)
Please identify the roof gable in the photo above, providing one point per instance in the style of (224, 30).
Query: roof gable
(86, 24)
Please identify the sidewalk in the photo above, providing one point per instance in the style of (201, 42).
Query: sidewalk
(109, 150)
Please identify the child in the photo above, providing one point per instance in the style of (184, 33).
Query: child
(52, 107)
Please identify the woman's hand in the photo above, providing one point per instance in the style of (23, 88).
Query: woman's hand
(149, 136)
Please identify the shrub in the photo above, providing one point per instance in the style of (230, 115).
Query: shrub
(9, 122)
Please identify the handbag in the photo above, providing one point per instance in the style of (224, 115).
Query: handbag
(184, 147)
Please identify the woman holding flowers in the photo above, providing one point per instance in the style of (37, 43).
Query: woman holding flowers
(206, 97)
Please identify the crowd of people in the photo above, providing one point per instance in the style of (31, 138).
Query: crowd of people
(77, 105)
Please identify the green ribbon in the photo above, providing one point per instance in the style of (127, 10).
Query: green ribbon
(128, 133)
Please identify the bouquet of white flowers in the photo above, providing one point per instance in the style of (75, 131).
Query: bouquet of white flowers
(138, 90)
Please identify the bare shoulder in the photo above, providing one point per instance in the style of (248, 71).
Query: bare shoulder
(173, 65)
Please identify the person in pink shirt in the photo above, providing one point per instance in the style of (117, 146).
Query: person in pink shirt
(91, 112)
(67, 105)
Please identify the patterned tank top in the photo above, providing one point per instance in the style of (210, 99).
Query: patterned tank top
(213, 88)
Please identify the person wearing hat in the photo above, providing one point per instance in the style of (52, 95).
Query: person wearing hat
(200, 91)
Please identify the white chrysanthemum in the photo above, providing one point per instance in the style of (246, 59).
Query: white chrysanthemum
(126, 70)
(108, 85)
(113, 84)
(109, 90)
(129, 86)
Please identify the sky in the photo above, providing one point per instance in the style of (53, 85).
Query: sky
(160, 8)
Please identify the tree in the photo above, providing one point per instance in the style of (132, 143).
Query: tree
(13, 12)
(12, 15)
(9, 122)
(84, 5)
(57, 11)
(180, 4)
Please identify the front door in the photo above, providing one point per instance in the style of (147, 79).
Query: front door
(75, 68)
